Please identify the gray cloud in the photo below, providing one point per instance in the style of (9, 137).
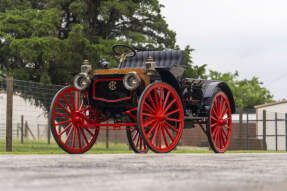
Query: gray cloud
(228, 35)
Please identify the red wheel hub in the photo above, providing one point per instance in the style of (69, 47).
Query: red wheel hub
(78, 119)
(160, 116)
(221, 122)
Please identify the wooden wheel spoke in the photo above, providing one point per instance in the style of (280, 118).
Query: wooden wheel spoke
(72, 100)
(224, 112)
(172, 112)
(84, 135)
(74, 138)
(215, 113)
(170, 126)
(221, 105)
(62, 123)
(174, 120)
(213, 118)
(148, 107)
(79, 139)
(69, 135)
(77, 100)
(141, 141)
(65, 109)
(66, 129)
(220, 141)
(171, 103)
(164, 136)
(138, 139)
(152, 128)
(148, 114)
(166, 99)
(152, 102)
(224, 133)
(223, 139)
(160, 98)
(168, 133)
(68, 104)
(159, 136)
(135, 136)
(215, 135)
(63, 115)
(88, 130)
(213, 125)
(214, 130)
(156, 97)
(149, 123)
(155, 135)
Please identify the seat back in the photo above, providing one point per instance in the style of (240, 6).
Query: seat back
(163, 59)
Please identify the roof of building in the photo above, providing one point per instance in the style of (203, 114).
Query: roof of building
(270, 104)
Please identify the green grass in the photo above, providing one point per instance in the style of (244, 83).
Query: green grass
(41, 147)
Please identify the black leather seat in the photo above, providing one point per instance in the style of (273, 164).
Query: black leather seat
(164, 59)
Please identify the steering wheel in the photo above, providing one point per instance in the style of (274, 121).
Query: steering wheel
(123, 51)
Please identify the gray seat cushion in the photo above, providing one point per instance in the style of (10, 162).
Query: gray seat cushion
(164, 59)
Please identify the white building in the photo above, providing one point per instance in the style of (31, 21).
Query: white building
(273, 110)
(35, 116)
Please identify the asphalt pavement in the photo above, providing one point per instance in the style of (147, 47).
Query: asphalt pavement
(130, 172)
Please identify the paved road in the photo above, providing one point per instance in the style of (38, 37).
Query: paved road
(130, 172)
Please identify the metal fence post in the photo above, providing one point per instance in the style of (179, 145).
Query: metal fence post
(276, 133)
(247, 134)
(107, 138)
(9, 114)
(286, 132)
(264, 130)
(22, 129)
(48, 134)
(240, 127)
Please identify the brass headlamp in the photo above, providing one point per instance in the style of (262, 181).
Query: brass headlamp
(82, 80)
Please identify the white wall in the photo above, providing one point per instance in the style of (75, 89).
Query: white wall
(281, 109)
(33, 115)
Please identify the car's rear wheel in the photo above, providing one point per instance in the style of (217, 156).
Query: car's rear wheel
(136, 142)
(68, 110)
(219, 123)
(160, 117)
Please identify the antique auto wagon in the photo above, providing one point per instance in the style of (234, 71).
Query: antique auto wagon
(148, 97)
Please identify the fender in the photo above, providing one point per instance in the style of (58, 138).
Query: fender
(211, 88)
(166, 76)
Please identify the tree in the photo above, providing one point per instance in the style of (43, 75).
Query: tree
(247, 93)
(46, 41)
(192, 71)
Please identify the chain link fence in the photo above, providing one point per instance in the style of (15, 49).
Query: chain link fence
(31, 103)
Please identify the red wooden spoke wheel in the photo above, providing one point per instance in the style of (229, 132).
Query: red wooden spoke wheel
(136, 142)
(219, 123)
(160, 117)
(68, 112)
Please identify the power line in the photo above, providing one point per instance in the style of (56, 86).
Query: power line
(277, 79)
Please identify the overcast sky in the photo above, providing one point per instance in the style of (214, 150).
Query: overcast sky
(245, 35)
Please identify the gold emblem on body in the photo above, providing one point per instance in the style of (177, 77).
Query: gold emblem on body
(112, 85)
